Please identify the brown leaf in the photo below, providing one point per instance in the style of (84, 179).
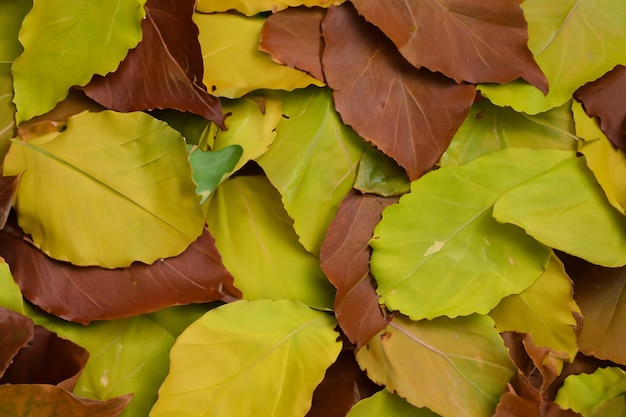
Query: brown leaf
(344, 257)
(604, 98)
(83, 294)
(52, 401)
(8, 186)
(293, 37)
(15, 333)
(409, 114)
(164, 71)
(474, 41)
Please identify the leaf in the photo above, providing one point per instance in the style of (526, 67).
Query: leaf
(164, 71)
(7, 112)
(345, 256)
(12, 14)
(52, 401)
(249, 222)
(583, 34)
(209, 168)
(584, 392)
(64, 47)
(131, 180)
(483, 41)
(258, 6)
(324, 154)
(16, 331)
(411, 114)
(551, 206)
(10, 295)
(84, 294)
(294, 38)
(444, 228)
(217, 358)
(379, 174)
(545, 311)
(386, 404)
(489, 128)
(233, 65)
(615, 407)
(407, 354)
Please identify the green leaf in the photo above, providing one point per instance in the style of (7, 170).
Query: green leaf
(584, 392)
(249, 358)
(92, 193)
(10, 294)
(7, 112)
(489, 128)
(259, 247)
(615, 407)
(250, 8)
(444, 228)
(12, 13)
(555, 208)
(233, 64)
(379, 174)
(386, 404)
(210, 168)
(66, 46)
(324, 155)
(455, 367)
(574, 42)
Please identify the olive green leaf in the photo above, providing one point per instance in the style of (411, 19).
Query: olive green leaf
(109, 190)
(220, 365)
(584, 393)
(386, 404)
(379, 174)
(12, 13)
(210, 168)
(250, 8)
(7, 112)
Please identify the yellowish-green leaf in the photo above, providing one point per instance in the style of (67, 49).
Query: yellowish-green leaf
(249, 359)
(386, 404)
(65, 46)
(233, 64)
(584, 393)
(574, 42)
(7, 112)
(607, 163)
(10, 294)
(455, 367)
(12, 13)
(259, 246)
(379, 174)
(250, 8)
(109, 190)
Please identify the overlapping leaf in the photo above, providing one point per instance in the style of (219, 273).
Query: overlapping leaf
(66, 46)
(409, 114)
(258, 6)
(407, 354)
(589, 393)
(477, 42)
(216, 358)
(12, 13)
(386, 404)
(210, 168)
(379, 174)
(130, 180)
(164, 71)
(15, 332)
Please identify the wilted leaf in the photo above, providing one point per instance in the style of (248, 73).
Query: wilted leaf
(255, 237)
(164, 71)
(468, 41)
(294, 38)
(52, 401)
(323, 155)
(345, 260)
(215, 361)
(551, 208)
(12, 13)
(130, 180)
(386, 404)
(409, 114)
(233, 64)
(209, 168)
(407, 355)
(379, 174)
(15, 332)
(444, 228)
(583, 34)
(585, 392)
(66, 46)
(252, 8)
(489, 128)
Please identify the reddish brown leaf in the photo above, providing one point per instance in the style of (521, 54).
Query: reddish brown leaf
(294, 38)
(83, 294)
(474, 41)
(605, 98)
(344, 257)
(15, 333)
(409, 114)
(164, 71)
(52, 401)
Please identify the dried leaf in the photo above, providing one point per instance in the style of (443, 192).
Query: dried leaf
(16, 331)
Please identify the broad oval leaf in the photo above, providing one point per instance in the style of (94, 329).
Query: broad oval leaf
(583, 34)
(323, 155)
(233, 64)
(66, 46)
(251, 8)
(111, 179)
(466, 354)
(386, 404)
(585, 392)
(444, 228)
(221, 363)
(259, 246)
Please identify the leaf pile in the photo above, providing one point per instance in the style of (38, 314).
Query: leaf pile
(312, 208)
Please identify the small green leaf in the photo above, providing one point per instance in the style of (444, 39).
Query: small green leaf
(585, 392)
(386, 404)
(249, 358)
(210, 168)
(379, 174)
